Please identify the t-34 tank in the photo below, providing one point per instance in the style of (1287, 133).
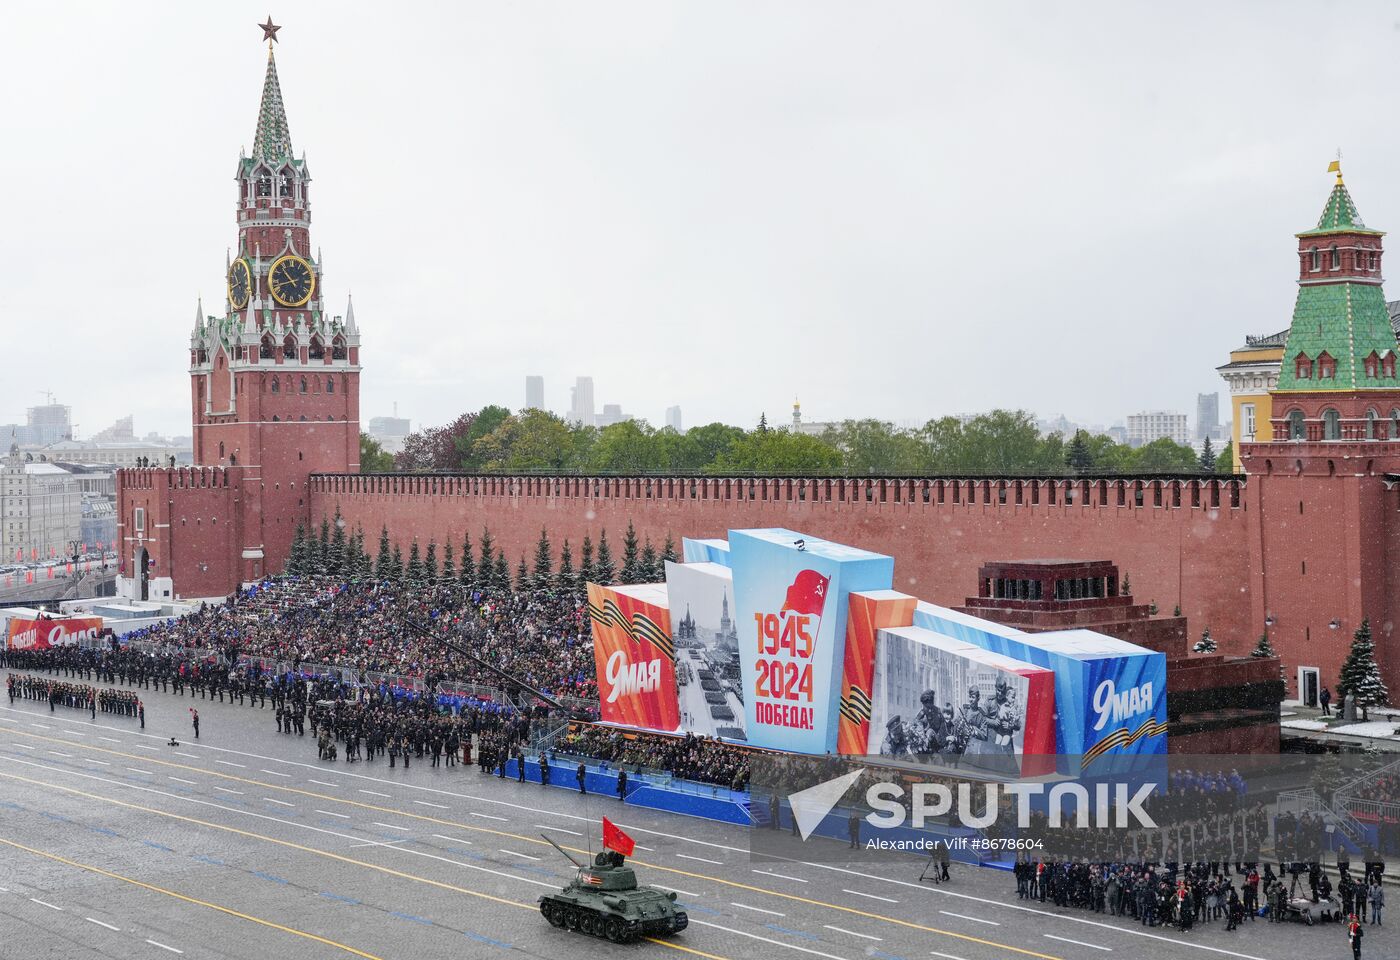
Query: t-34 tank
(604, 900)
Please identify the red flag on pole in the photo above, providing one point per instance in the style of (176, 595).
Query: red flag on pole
(807, 593)
(615, 839)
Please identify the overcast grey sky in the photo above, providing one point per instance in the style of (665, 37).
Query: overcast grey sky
(898, 210)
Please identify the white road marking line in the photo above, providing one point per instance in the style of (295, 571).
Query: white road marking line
(776, 943)
(686, 856)
(227, 790)
(945, 956)
(441, 836)
(745, 906)
(164, 947)
(381, 843)
(871, 896)
(374, 794)
(45, 904)
(331, 813)
(103, 762)
(276, 774)
(637, 845)
(66, 756)
(179, 780)
(40, 726)
(230, 763)
(390, 826)
(688, 893)
(280, 803)
(109, 739)
(1079, 943)
(101, 924)
(424, 803)
(561, 830)
(146, 746)
(9, 720)
(74, 733)
(145, 773)
(309, 780)
(863, 936)
(22, 746)
(963, 916)
(514, 854)
(780, 876)
(192, 757)
(4, 889)
(487, 816)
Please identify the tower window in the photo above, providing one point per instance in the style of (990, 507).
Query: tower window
(1316, 260)
(330, 385)
(303, 384)
(1395, 424)
(1373, 363)
(276, 385)
(338, 348)
(289, 347)
(265, 348)
(1302, 367)
(1373, 427)
(1297, 429)
(1326, 366)
(1331, 425)
(1336, 258)
(1388, 365)
(317, 351)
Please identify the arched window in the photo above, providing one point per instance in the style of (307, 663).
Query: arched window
(1316, 260)
(1326, 366)
(1395, 424)
(221, 450)
(1373, 364)
(317, 350)
(303, 384)
(1373, 260)
(265, 348)
(1297, 430)
(1302, 367)
(1331, 425)
(1388, 365)
(289, 347)
(276, 418)
(330, 384)
(1336, 258)
(276, 385)
(1373, 427)
(338, 348)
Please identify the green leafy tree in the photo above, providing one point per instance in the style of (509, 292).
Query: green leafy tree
(668, 552)
(1165, 455)
(296, 557)
(532, 440)
(627, 447)
(588, 567)
(430, 562)
(567, 578)
(874, 446)
(414, 572)
(373, 457)
(364, 568)
(631, 573)
(544, 561)
(482, 424)
(449, 563)
(396, 564)
(699, 447)
(1207, 458)
(1077, 455)
(384, 563)
(522, 577)
(762, 423)
(1361, 676)
(488, 557)
(1206, 644)
(1225, 463)
(321, 548)
(1263, 649)
(604, 571)
(650, 564)
(778, 451)
(501, 579)
(468, 573)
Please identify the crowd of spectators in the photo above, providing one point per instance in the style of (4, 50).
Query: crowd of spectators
(688, 757)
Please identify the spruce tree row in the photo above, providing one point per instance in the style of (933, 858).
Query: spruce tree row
(331, 553)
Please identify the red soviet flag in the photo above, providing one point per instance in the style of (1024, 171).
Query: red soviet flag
(807, 593)
(615, 839)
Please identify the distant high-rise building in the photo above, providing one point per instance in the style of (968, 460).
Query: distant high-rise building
(534, 393)
(389, 432)
(673, 418)
(50, 423)
(612, 413)
(1152, 425)
(1207, 415)
(581, 402)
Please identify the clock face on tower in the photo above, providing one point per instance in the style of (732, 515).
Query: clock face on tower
(240, 282)
(291, 280)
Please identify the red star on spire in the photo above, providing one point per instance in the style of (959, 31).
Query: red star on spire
(269, 30)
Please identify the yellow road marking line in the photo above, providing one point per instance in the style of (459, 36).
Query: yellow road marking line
(180, 896)
(855, 911)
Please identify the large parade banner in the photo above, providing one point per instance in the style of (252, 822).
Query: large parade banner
(870, 612)
(634, 656)
(791, 595)
(43, 634)
(709, 675)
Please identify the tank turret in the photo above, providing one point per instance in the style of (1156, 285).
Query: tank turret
(605, 900)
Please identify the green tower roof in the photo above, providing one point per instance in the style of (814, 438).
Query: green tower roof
(1347, 321)
(1338, 216)
(273, 141)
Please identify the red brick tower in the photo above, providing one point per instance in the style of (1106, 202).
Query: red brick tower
(274, 393)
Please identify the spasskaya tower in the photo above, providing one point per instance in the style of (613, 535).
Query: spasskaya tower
(274, 391)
